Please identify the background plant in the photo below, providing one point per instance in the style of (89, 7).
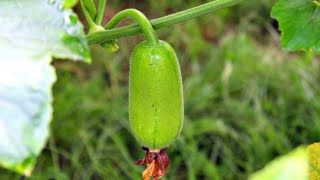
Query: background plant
(240, 88)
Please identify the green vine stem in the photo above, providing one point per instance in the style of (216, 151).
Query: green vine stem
(100, 13)
(101, 36)
(141, 19)
(93, 27)
(91, 7)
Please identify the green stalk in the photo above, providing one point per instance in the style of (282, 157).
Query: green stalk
(86, 14)
(93, 27)
(141, 19)
(106, 35)
(91, 7)
(101, 10)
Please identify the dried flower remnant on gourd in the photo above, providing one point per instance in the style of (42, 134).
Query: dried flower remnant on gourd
(157, 163)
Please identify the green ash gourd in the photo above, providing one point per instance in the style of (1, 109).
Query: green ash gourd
(155, 95)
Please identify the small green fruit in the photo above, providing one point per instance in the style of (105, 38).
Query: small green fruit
(155, 95)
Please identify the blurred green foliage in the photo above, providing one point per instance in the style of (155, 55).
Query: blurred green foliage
(246, 101)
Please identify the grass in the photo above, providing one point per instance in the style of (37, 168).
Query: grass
(246, 102)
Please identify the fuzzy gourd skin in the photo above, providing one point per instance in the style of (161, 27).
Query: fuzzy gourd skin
(155, 95)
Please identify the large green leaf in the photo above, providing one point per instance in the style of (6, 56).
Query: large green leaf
(293, 166)
(31, 32)
(299, 22)
(314, 161)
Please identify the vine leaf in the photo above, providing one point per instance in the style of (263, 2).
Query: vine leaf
(293, 166)
(299, 22)
(314, 161)
(31, 33)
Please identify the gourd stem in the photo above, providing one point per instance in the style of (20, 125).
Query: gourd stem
(110, 34)
(141, 19)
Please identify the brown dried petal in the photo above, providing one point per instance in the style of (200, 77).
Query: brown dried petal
(157, 163)
(140, 161)
(148, 173)
(163, 160)
(162, 164)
